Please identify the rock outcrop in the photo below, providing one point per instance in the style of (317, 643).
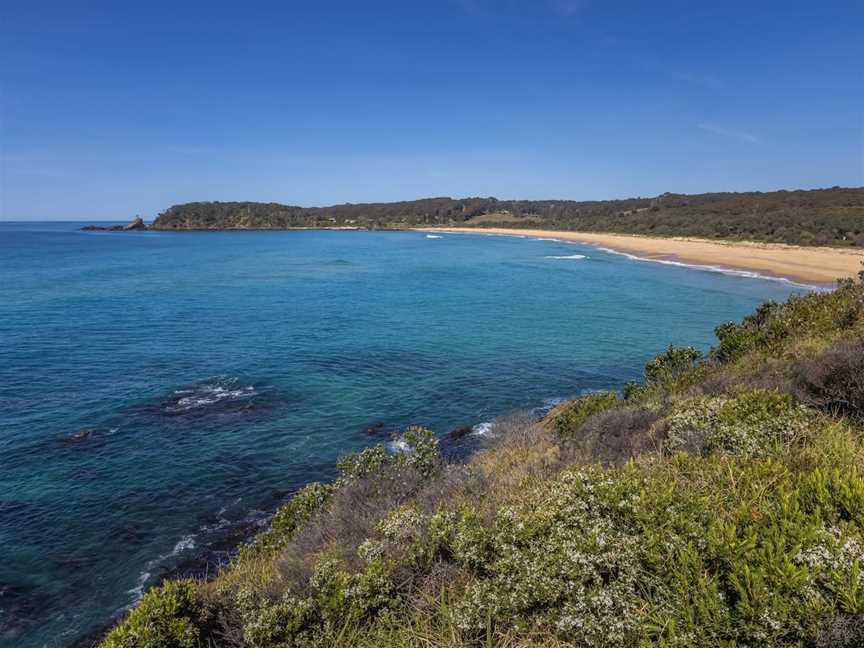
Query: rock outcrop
(136, 224)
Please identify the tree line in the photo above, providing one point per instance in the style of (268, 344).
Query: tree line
(832, 216)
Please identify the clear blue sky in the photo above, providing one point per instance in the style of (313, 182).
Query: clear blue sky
(110, 109)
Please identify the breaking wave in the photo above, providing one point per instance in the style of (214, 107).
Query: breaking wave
(185, 543)
(210, 392)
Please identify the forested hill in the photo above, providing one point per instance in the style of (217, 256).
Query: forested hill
(816, 217)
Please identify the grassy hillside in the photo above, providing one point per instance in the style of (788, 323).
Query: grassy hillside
(720, 502)
(819, 217)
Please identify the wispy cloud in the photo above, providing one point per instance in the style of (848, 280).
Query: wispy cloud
(473, 7)
(732, 133)
(675, 73)
(568, 7)
(492, 7)
(704, 80)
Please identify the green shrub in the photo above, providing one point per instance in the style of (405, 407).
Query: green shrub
(671, 364)
(734, 341)
(288, 519)
(774, 325)
(341, 596)
(168, 616)
(633, 390)
(368, 461)
(767, 570)
(568, 422)
(421, 453)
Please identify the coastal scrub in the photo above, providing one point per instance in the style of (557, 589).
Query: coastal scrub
(721, 503)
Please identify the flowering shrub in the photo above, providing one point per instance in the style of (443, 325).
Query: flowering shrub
(751, 424)
(567, 564)
(290, 622)
(462, 536)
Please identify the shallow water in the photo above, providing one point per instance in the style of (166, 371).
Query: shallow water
(161, 393)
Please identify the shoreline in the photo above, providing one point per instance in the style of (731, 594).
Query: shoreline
(223, 540)
(821, 266)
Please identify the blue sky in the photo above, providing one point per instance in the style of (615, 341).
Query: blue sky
(108, 111)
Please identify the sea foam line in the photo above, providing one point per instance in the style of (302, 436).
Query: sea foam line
(732, 272)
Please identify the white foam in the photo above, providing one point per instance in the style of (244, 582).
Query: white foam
(568, 256)
(399, 445)
(186, 542)
(208, 394)
(548, 405)
(433, 236)
(483, 429)
(138, 591)
(747, 274)
(183, 544)
(732, 272)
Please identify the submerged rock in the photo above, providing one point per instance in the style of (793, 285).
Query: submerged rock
(375, 428)
(459, 433)
(81, 435)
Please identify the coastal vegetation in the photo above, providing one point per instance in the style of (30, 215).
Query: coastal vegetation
(719, 502)
(816, 217)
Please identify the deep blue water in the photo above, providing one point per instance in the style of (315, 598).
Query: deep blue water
(161, 392)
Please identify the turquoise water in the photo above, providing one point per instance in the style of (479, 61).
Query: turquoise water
(162, 393)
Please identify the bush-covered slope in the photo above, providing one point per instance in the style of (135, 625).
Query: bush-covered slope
(819, 217)
(718, 503)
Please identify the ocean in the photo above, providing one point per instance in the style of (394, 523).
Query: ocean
(162, 393)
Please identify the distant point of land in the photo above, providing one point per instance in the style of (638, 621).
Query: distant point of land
(819, 217)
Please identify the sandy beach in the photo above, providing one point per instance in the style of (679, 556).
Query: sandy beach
(818, 265)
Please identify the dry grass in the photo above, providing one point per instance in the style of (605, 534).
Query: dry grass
(435, 626)
(521, 451)
(621, 434)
